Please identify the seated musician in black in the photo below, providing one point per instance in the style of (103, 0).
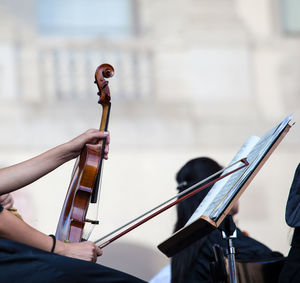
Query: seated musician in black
(25, 253)
(291, 269)
(192, 263)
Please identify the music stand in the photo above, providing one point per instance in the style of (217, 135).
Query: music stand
(218, 202)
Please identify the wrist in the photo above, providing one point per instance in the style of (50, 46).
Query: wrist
(60, 248)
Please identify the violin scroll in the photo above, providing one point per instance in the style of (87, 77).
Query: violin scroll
(102, 72)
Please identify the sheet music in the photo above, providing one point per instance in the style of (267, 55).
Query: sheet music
(238, 178)
(224, 190)
(218, 186)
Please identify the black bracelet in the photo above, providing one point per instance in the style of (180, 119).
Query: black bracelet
(54, 242)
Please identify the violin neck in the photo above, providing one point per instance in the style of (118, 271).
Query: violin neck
(94, 197)
(103, 127)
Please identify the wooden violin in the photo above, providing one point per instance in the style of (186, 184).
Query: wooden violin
(84, 184)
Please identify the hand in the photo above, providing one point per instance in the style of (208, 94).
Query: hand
(84, 250)
(91, 136)
(6, 201)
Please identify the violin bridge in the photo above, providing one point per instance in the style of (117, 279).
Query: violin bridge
(96, 222)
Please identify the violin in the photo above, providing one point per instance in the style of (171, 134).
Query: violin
(84, 185)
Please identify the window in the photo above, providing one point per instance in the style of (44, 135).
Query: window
(91, 18)
(290, 11)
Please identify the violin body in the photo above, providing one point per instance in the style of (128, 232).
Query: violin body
(83, 180)
(84, 184)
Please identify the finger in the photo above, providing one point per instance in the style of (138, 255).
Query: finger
(7, 201)
(95, 256)
(94, 134)
(99, 252)
(92, 251)
(8, 205)
(99, 136)
(11, 200)
(108, 139)
(4, 197)
(106, 150)
(8, 197)
(102, 135)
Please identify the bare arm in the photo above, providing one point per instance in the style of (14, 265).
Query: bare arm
(19, 175)
(24, 173)
(14, 229)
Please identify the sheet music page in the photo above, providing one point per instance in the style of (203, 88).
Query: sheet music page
(218, 205)
(224, 190)
(218, 186)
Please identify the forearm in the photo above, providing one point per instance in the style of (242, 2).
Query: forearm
(12, 228)
(24, 173)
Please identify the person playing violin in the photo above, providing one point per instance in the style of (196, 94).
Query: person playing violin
(28, 255)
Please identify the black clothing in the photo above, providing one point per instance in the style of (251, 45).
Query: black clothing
(290, 272)
(246, 248)
(22, 263)
(292, 212)
(291, 269)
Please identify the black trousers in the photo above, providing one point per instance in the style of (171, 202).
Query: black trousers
(22, 263)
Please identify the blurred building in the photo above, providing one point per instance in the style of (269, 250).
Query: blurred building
(192, 78)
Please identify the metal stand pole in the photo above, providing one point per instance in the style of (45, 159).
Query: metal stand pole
(229, 233)
(231, 258)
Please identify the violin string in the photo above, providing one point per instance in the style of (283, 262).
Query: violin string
(167, 201)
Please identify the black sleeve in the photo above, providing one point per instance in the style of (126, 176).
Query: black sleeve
(1, 208)
(292, 212)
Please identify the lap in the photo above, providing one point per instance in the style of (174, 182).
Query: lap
(21, 262)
